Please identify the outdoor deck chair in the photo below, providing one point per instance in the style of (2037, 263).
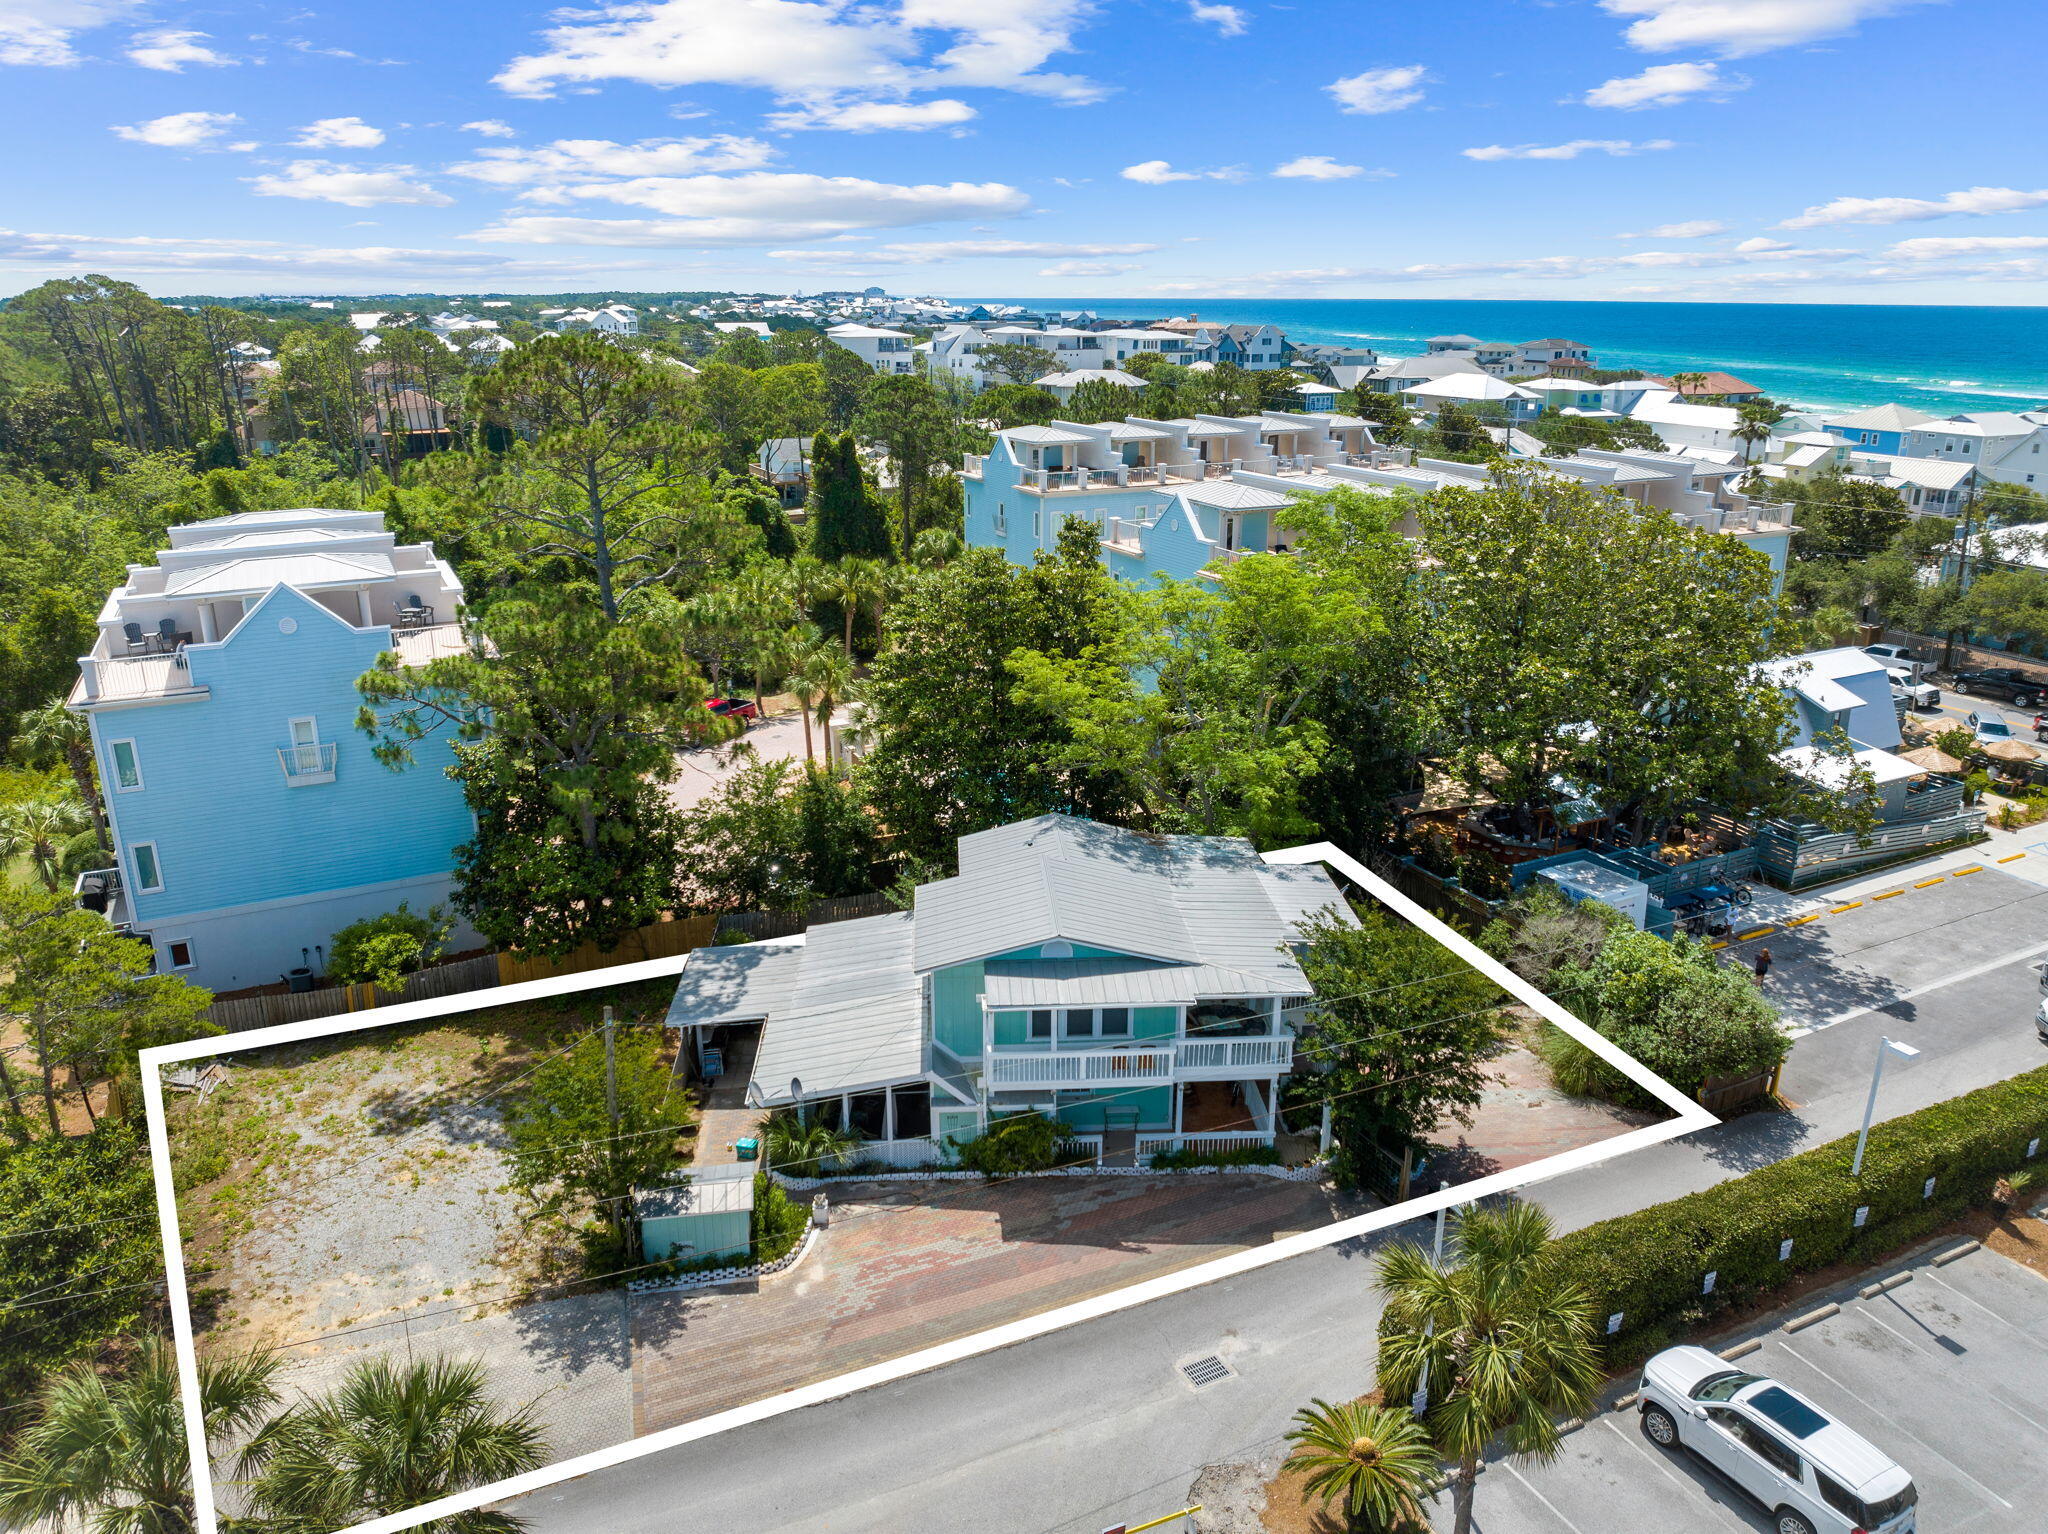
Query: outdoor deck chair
(137, 640)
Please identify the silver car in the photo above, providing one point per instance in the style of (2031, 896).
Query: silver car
(1809, 1472)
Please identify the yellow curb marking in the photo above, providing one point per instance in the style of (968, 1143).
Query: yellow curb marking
(1717, 945)
(1924, 883)
(1743, 937)
(2013, 859)
(1846, 906)
(1961, 871)
(1888, 894)
(1800, 921)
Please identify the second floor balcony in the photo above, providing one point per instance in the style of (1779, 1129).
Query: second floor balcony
(1140, 1064)
(307, 763)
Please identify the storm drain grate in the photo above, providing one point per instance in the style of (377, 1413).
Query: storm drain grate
(1205, 1371)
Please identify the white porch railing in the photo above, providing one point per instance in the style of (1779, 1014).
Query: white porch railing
(1125, 533)
(1235, 1055)
(1230, 1140)
(1129, 1067)
(307, 764)
(906, 1154)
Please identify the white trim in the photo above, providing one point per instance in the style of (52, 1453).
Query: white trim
(134, 871)
(168, 943)
(279, 902)
(134, 760)
(1688, 1118)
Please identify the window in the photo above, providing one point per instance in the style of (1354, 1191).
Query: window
(1767, 1447)
(1115, 1022)
(1041, 1024)
(1078, 1023)
(179, 950)
(1719, 1387)
(1229, 1019)
(127, 769)
(1002, 518)
(142, 859)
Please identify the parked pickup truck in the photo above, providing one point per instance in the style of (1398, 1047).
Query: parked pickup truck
(2017, 687)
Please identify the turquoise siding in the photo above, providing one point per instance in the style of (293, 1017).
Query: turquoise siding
(956, 1009)
(1085, 1112)
(713, 1234)
(1155, 1022)
(1081, 951)
(1013, 1029)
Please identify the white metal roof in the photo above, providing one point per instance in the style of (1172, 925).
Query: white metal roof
(1127, 431)
(1120, 983)
(1830, 770)
(1228, 495)
(742, 983)
(854, 1019)
(1045, 436)
(306, 572)
(710, 1190)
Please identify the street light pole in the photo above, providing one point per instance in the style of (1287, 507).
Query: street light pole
(1884, 1047)
(1420, 1403)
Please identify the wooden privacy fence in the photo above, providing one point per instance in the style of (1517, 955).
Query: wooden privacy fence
(658, 940)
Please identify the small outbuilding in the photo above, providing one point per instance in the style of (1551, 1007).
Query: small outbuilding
(711, 1215)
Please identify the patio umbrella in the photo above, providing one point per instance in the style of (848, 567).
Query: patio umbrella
(2012, 751)
(1933, 758)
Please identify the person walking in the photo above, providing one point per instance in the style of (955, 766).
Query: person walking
(1763, 964)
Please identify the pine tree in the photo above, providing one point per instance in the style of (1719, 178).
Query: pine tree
(845, 521)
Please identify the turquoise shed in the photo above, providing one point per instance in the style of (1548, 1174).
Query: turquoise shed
(711, 1215)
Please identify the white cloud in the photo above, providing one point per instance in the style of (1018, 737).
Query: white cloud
(40, 31)
(546, 169)
(1757, 244)
(339, 133)
(1664, 85)
(1320, 167)
(1160, 172)
(1734, 28)
(1227, 19)
(179, 130)
(1941, 248)
(490, 127)
(757, 208)
(325, 181)
(170, 50)
(1088, 268)
(805, 49)
(1379, 90)
(873, 116)
(1976, 202)
(1571, 151)
(143, 255)
(928, 252)
(1688, 229)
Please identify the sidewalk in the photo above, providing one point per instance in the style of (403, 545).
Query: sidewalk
(2021, 854)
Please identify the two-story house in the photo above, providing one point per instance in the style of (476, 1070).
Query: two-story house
(1139, 988)
(1882, 428)
(1553, 354)
(249, 818)
(2002, 445)
(884, 350)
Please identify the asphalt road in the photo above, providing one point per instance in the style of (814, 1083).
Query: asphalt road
(1076, 1431)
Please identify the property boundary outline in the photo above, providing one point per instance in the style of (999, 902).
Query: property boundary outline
(1689, 1117)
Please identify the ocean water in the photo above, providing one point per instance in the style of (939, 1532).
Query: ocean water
(1936, 359)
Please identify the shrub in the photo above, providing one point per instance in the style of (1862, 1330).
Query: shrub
(804, 1147)
(1014, 1143)
(1189, 1156)
(1651, 1265)
(383, 950)
(1540, 931)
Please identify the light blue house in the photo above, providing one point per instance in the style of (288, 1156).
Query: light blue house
(1183, 499)
(1143, 989)
(249, 818)
(1882, 428)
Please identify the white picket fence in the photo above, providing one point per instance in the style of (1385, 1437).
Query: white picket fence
(1152, 1145)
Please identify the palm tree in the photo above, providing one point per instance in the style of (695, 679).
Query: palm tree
(1687, 382)
(1506, 1344)
(1376, 1459)
(1754, 426)
(109, 1451)
(391, 1437)
(801, 1147)
(53, 731)
(38, 829)
(854, 584)
(827, 674)
(936, 546)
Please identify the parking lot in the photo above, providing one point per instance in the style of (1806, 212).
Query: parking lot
(1946, 1373)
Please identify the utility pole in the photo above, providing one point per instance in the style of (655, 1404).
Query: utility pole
(1420, 1401)
(611, 1105)
(1948, 658)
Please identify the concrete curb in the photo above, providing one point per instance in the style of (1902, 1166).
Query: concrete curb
(1812, 1318)
(1956, 1253)
(1741, 1349)
(1884, 1286)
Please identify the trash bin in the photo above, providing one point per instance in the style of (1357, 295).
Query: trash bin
(748, 1149)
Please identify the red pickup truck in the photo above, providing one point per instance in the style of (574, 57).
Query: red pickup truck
(743, 709)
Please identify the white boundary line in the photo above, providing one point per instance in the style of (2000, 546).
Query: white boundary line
(1689, 1116)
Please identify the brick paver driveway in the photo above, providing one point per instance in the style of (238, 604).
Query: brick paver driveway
(901, 1269)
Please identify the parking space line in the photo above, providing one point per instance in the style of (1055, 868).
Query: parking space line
(1989, 1390)
(1893, 1426)
(1656, 1458)
(1935, 985)
(1560, 1517)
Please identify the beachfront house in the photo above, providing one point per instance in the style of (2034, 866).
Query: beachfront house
(1139, 988)
(2002, 445)
(1184, 498)
(250, 821)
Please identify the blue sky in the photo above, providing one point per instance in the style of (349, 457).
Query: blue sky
(1864, 151)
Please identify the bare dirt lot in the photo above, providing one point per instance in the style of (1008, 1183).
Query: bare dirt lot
(352, 1180)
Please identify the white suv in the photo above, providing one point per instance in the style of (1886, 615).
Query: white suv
(1811, 1473)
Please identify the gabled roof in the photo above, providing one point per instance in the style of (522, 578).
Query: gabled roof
(1231, 496)
(1467, 386)
(1047, 899)
(241, 577)
(1045, 436)
(1882, 418)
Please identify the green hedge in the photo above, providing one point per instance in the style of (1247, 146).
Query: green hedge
(1651, 1265)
